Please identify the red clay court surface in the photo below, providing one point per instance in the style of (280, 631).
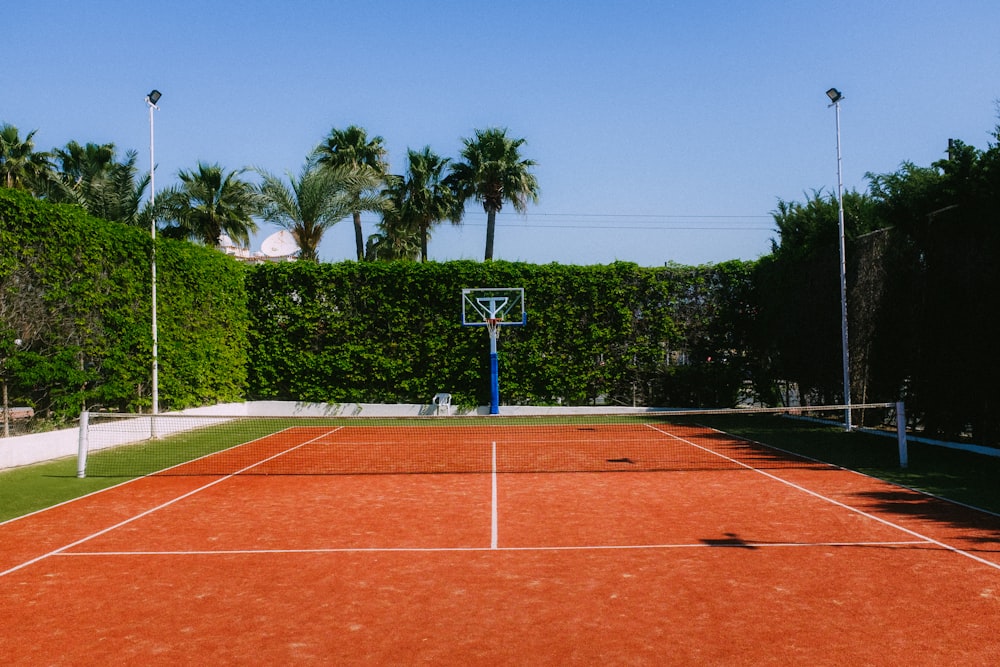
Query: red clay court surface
(795, 564)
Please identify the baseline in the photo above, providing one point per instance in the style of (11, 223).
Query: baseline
(589, 547)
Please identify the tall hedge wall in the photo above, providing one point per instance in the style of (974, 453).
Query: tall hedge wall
(391, 332)
(77, 291)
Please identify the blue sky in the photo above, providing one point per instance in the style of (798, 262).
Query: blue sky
(663, 131)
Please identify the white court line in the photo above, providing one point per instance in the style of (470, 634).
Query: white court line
(592, 547)
(494, 520)
(868, 515)
(60, 550)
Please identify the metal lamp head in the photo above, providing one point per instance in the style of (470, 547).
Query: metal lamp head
(154, 96)
(834, 95)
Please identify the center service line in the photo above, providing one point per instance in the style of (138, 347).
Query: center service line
(493, 517)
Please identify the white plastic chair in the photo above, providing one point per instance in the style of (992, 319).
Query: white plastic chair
(443, 403)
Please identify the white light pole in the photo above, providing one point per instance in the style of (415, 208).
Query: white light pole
(5, 408)
(835, 98)
(151, 100)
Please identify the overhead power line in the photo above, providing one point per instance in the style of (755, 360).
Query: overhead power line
(474, 217)
(624, 221)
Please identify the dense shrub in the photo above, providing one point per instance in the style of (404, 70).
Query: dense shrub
(390, 331)
(77, 291)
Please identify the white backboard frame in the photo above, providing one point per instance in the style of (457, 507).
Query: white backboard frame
(482, 304)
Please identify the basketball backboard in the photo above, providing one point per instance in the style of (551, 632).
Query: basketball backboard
(503, 306)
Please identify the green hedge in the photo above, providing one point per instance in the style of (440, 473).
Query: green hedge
(391, 332)
(77, 291)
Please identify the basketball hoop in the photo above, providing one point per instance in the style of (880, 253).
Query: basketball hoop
(493, 308)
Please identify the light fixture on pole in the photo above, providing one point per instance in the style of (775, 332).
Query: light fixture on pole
(151, 100)
(835, 98)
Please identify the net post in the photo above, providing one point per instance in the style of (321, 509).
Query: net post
(904, 457)
(83, 446)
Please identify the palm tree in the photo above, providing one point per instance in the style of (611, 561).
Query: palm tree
(81, 164)
(21, 166)
(318, 199)
(93, 177)
(351, 148)
(427, 198)
(209, 203)
(492, 172)
(398, 237)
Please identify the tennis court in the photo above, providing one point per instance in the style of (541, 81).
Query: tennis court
(640, 543)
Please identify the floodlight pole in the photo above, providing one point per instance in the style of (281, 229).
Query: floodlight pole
(835, 98)
(5, 407)
(151, 100)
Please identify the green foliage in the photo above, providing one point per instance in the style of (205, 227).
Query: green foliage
(390, 331)
(922, 294)
(203, 326)
(77, 291)
(208, 203)
(93, 177)
(810, 226)
(315, 201)
(942, 264)
(798, 292)
(420, 200)
(21, 166)
(921, 266)
(491, 171)
(352, 149)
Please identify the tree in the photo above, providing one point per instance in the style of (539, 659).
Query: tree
(92, 177)
(425, 198)
(799, 291)
(21, 166)
(318, 199)
(947, 239)
(80, 165)
(805, 227)
(398, 237)
(208, 203)
(352, 149)
(492, 171)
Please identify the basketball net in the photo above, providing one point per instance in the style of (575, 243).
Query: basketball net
(493, 326)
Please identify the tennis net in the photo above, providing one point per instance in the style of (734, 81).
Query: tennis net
(125, 445)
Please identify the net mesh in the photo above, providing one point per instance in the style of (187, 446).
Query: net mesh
(130, 445)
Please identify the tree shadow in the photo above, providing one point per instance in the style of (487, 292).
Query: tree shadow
(980, 527)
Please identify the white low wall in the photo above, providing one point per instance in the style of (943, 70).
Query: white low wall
(24, 450)
(293, 409)
(296, 409)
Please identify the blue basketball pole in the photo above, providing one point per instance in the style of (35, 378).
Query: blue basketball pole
(494, 375)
